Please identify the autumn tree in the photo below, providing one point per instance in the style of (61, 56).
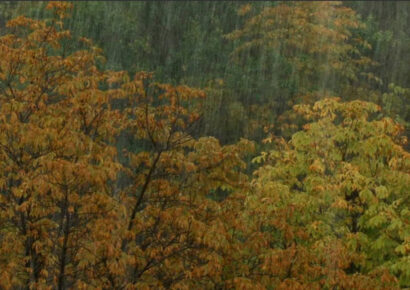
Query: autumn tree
(67, 220)
(57, 164)
(331, 205)
(172, 234)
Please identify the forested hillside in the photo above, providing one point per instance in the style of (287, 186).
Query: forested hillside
(204, 145)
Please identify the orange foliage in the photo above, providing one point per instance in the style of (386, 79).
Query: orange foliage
(67, 221)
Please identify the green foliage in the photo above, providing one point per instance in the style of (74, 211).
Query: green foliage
(388, 32)
(396, 103)
(344, 179)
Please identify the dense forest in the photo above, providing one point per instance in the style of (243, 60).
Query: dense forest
(204, 145)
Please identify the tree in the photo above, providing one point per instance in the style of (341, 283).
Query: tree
(76, 212)
(298, 52)
(55, 154)
(317, 39)
(173, 234)
(331, 204)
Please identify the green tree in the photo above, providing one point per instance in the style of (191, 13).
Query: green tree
(332, 203)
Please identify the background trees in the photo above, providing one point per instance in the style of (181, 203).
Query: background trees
(183, 46)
